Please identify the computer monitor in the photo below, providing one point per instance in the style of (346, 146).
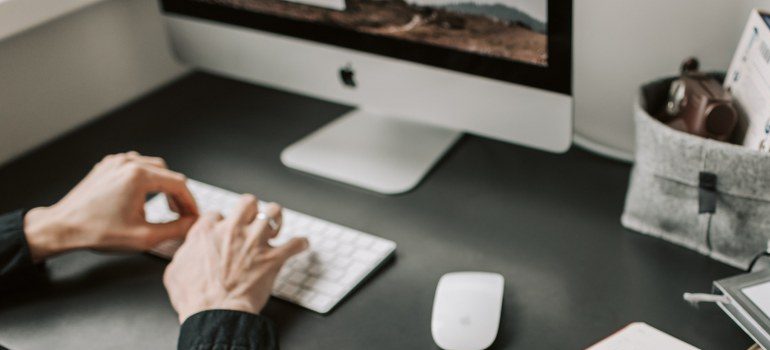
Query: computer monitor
(419, 72)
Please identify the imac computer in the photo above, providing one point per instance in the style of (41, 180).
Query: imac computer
(418, 72)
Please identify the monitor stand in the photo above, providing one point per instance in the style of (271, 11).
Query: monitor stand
(381, 154)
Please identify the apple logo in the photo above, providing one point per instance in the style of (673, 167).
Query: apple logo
(347, 76)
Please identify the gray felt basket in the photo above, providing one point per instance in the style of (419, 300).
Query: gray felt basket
(709, 196)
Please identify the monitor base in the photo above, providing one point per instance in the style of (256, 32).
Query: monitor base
(381, 154)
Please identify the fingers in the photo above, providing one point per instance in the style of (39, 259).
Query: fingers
(203, 229)
(151, 161)
(266, 226)
(172, 204)
(172, 184)
(179, 198)
(274, 211)
(213, 217)
(245, 211)
(273, 219)
(206, 222)
(116, 160)
(291, 248)
(153, 234)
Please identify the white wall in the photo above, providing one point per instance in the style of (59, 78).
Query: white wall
(620, 44)
(78, 67)
(20, 15)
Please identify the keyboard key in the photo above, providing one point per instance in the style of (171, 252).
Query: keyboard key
(345, 249)
(366, 256)
(296, 277)
(278, 285)
(310, 282)
(350, 279)
(347, 236)
(315, 270)
(314, 241)
(357, 269)
(324, 257)
(331, 274)
(300, 219)
(321, 302)
(326, 287)
(327, 245)
(289, 217)
(304, 296)
(318, 226)
(302, 261)
(341, 262)
(381, 246)
(288, 289)
(364, 241)
(285, 271)
(333, 231)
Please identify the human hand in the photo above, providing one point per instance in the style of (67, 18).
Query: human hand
(228, 263)
(105, 210)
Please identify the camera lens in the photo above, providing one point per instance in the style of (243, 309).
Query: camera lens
(720, 119)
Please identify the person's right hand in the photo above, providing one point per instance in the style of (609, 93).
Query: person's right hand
(228, 263)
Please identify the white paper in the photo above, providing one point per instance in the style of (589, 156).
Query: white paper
(759, 295)
(749, 81)
(641, 336)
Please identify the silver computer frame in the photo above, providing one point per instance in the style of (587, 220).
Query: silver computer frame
(408, 114)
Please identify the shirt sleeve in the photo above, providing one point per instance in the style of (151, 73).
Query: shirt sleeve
(227, 330)
(16, 267)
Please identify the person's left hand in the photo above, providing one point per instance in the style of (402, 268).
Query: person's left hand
(105, 211)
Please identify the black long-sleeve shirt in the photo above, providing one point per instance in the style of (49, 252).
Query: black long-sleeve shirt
(206, 330)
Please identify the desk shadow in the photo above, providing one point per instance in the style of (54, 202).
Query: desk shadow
(504, 337)
(380, 269)
(112, 271)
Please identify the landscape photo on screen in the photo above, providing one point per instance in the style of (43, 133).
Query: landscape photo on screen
(509, 29)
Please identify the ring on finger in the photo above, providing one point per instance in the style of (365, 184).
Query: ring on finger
(270, 221)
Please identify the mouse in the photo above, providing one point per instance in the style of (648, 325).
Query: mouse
(466, 310)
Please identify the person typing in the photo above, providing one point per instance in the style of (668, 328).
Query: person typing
(218, 281)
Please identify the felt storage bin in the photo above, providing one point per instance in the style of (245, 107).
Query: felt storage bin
(709, 196)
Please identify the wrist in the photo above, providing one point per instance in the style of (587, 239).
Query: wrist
(45, 233)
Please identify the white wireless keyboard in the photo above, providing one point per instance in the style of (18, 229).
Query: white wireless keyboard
(338, 259)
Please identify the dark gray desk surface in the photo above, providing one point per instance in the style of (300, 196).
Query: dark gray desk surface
(549, 223)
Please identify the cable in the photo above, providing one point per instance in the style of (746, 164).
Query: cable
(708, 232)
(754, 261)
(758, 256)
(696, 298)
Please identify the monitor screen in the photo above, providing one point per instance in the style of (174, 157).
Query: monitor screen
(520, 41)
(509, 29)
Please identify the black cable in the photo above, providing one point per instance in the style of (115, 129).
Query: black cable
(708, 232)
(756, 258)
(708, 245)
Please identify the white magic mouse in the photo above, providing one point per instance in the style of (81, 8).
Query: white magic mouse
(466, 310)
